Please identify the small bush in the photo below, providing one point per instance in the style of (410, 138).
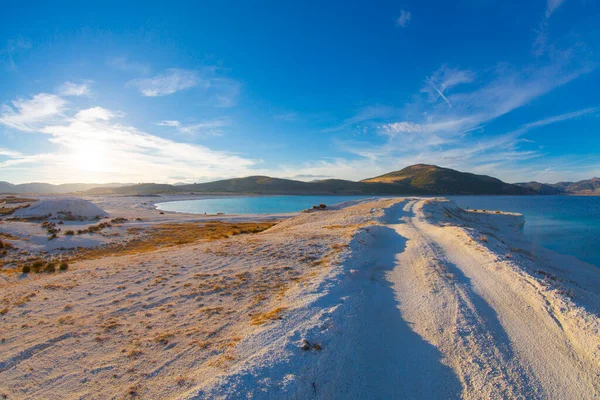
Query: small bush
(322, 206)
(53, 236)
(50, 267)
(63, 266)
(69, 233)
(37, 265)
(26, 269)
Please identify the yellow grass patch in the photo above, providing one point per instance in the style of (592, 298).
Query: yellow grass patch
(272, 315)
(168, 235)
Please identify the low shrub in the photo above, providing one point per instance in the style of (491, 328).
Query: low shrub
(69, 232)
(37, 265)
(50, 267)
(26, 269)
(63, 266)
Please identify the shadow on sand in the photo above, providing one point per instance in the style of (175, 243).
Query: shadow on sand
(389, 360)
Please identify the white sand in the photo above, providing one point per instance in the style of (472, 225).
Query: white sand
(426, 301)
(62, 207)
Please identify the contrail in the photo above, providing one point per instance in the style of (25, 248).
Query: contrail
(439, 92)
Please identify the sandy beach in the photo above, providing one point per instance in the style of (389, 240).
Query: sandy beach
(399, 298)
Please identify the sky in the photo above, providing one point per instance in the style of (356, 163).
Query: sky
(198, 91)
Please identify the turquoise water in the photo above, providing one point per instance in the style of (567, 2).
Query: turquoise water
(567, 224)
(253, 205)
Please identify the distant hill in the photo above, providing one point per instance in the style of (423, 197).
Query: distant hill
(542, 188)
(585, 187)
(588, 186)
(47, 188)
(142, 188)
(437, 180)
(419, 179)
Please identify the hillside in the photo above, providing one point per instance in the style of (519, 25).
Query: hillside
(419, 179)
(437, 180)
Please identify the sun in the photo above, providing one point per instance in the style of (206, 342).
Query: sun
(91, 156)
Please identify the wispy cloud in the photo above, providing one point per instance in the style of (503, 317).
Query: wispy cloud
(213, 89)
(448, 121)
(173, 80)
(551, 6)
(30, 114)
(75, 89)
(12, 48)
(124, 64)
(540, 44)
(212, 127)
(403, 19)
(558, 118)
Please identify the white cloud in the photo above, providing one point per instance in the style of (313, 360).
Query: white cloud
(28, 115)
(123, 64)
(404, 18)
(91, 146)
(96, 114)
(74, 89)
(209, 127)
(175, 124)
(173, 80)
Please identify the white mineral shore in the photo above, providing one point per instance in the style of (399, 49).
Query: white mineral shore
(389, 299)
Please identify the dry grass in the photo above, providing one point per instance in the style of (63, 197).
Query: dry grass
(10, 210)
(272, 315)
(168, 235)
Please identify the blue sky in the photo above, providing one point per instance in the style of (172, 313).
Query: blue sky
(170, 91)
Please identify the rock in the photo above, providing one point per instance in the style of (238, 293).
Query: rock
(304, 345)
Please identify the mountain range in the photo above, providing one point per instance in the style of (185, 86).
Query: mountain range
(419, 179)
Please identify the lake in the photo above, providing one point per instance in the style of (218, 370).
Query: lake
(566, 224)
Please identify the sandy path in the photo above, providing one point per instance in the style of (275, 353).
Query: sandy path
(494, 327)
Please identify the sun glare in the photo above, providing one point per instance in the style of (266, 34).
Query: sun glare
(91, 156)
